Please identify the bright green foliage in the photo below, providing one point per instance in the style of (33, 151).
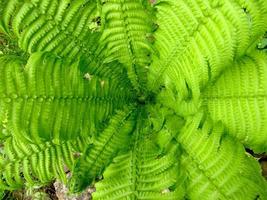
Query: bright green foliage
(145, 99)
(98, 155)
(198, 39)
(217, 164)
(126, 26)
(41, 98)
(38, 163)
(241, 93)
(56, 26)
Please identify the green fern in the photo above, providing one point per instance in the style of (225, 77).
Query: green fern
(247, 99)
(41, 100)
(30, 165)
(104, 148)
(143, 99)
(217, 164)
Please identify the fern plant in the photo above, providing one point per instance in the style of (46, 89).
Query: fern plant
(144, 99)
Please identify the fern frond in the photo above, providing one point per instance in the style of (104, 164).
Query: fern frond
(197, 40)
(65, 28)
(217, 165)
(105, 146)
(6, 9)
(239, 100)
(61, 27)
(126, 26)
(51, 99)
(170, 98)
(142, 173)
(113, 70)
(117, 88)
(32, 165)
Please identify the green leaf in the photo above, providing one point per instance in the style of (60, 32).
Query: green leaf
(61, 27)
(23, 164)
(105, 146)
(134, 90)
(6, 8)
(126, 25)
(262, 45)
(50, 99)
(197, 40)
(239, 100)
(142, 173)
(216, 164)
